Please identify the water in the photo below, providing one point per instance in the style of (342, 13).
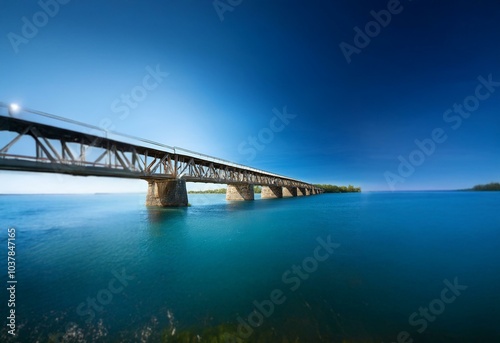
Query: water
(193, 274)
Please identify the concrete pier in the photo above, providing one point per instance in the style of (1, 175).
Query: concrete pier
(271, 192)
(301, 192)
(289, 192)
(308, 191)
(239, 192)
(167, 193)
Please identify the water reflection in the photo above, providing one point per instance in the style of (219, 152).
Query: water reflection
(160, 215)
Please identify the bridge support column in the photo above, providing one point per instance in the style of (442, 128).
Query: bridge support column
(271, 192)
(308, 191)
(300, 192)
(289, 192)
(239, 192)
(167, 193)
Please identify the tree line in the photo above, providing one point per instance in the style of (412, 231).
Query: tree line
(339, 189)
(256, 189)
(492, 186)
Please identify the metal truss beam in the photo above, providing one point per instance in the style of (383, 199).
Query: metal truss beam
(100, 156)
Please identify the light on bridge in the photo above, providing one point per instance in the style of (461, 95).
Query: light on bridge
(13, 109)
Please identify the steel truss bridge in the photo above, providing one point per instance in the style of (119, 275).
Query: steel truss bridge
(53, 144)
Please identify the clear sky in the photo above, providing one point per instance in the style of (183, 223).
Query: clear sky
(360, 80)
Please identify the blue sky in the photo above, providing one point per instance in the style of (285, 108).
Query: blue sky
(352, 121)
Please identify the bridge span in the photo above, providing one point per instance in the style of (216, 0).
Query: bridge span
(41, 142)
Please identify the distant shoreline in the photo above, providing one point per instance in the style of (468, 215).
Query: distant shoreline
(489, 187)
(339, 189)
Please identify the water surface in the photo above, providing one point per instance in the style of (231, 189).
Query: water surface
(106, 268)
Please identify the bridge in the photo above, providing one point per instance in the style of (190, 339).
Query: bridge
(42, 142)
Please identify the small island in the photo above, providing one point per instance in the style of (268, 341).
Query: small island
(492, 186)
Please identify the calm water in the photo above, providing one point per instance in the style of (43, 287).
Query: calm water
(106, 268)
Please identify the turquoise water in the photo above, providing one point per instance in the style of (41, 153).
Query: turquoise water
(106, 268)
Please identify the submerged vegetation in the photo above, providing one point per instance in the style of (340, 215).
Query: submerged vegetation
(220, 334)
(339, 189)
(493, 186)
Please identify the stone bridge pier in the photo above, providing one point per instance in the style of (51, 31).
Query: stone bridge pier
(301, 191)
(289, 192)
(173, 193)
(271, 192)
(239, 192)
(167, 193)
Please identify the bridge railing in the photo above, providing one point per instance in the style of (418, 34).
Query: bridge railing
(80, 127)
